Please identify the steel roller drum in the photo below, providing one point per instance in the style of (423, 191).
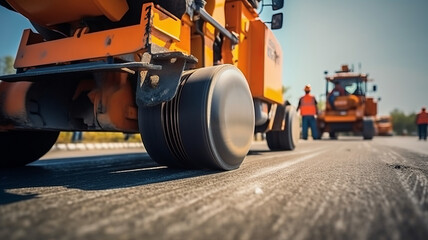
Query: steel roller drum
(210, 122)
(217, 114)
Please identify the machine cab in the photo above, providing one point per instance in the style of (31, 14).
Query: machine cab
(346, 90)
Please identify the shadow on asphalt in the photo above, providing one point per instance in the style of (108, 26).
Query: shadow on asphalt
(89, 173)
(258, 152)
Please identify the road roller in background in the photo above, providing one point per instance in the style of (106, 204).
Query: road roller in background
(352, 110)
(384, 126)
(195, 78)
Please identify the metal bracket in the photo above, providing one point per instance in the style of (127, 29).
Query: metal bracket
(157, 86)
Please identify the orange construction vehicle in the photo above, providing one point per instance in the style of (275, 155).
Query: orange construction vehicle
(348, 109)
(195, 78)
(384, 126)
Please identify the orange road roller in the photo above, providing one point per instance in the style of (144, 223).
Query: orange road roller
(348, 107)
(197, 79)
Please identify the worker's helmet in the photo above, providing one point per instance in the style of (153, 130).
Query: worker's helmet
(307, 88)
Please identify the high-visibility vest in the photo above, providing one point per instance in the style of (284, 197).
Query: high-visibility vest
(422, 118)
(307, 105)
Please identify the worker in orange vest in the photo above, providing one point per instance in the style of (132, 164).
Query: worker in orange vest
(422, 122)
(308, 110)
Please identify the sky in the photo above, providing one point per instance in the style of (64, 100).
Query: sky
(387, 38)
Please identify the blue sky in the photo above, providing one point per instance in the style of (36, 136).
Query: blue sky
(389, 38)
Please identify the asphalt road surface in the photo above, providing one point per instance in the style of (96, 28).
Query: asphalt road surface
(342, 189)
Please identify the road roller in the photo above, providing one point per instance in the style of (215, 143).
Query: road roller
(197, 79)
(348, 107)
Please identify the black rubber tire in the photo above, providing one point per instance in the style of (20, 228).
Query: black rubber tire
(288, 138)
(332, 135)
(19, 148)
(208, 124)
(272, 140)
(368, 129)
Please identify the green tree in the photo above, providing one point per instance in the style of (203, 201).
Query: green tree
(321, 105)
(284, 90)
(411, 123)
(403, 124)
(6, 65)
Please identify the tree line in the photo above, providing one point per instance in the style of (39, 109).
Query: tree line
(403, 124)
(6, 65)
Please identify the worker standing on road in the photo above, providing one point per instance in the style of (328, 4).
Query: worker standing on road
(422, 122)
(308, 110)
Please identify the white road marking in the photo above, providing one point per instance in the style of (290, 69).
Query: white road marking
(286, 164)
(140, 169)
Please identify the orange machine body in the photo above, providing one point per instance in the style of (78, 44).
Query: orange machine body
(384, 126)
(195, 78)
(35, 51)
(52, 12)
(156, 30)
(259, 54)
